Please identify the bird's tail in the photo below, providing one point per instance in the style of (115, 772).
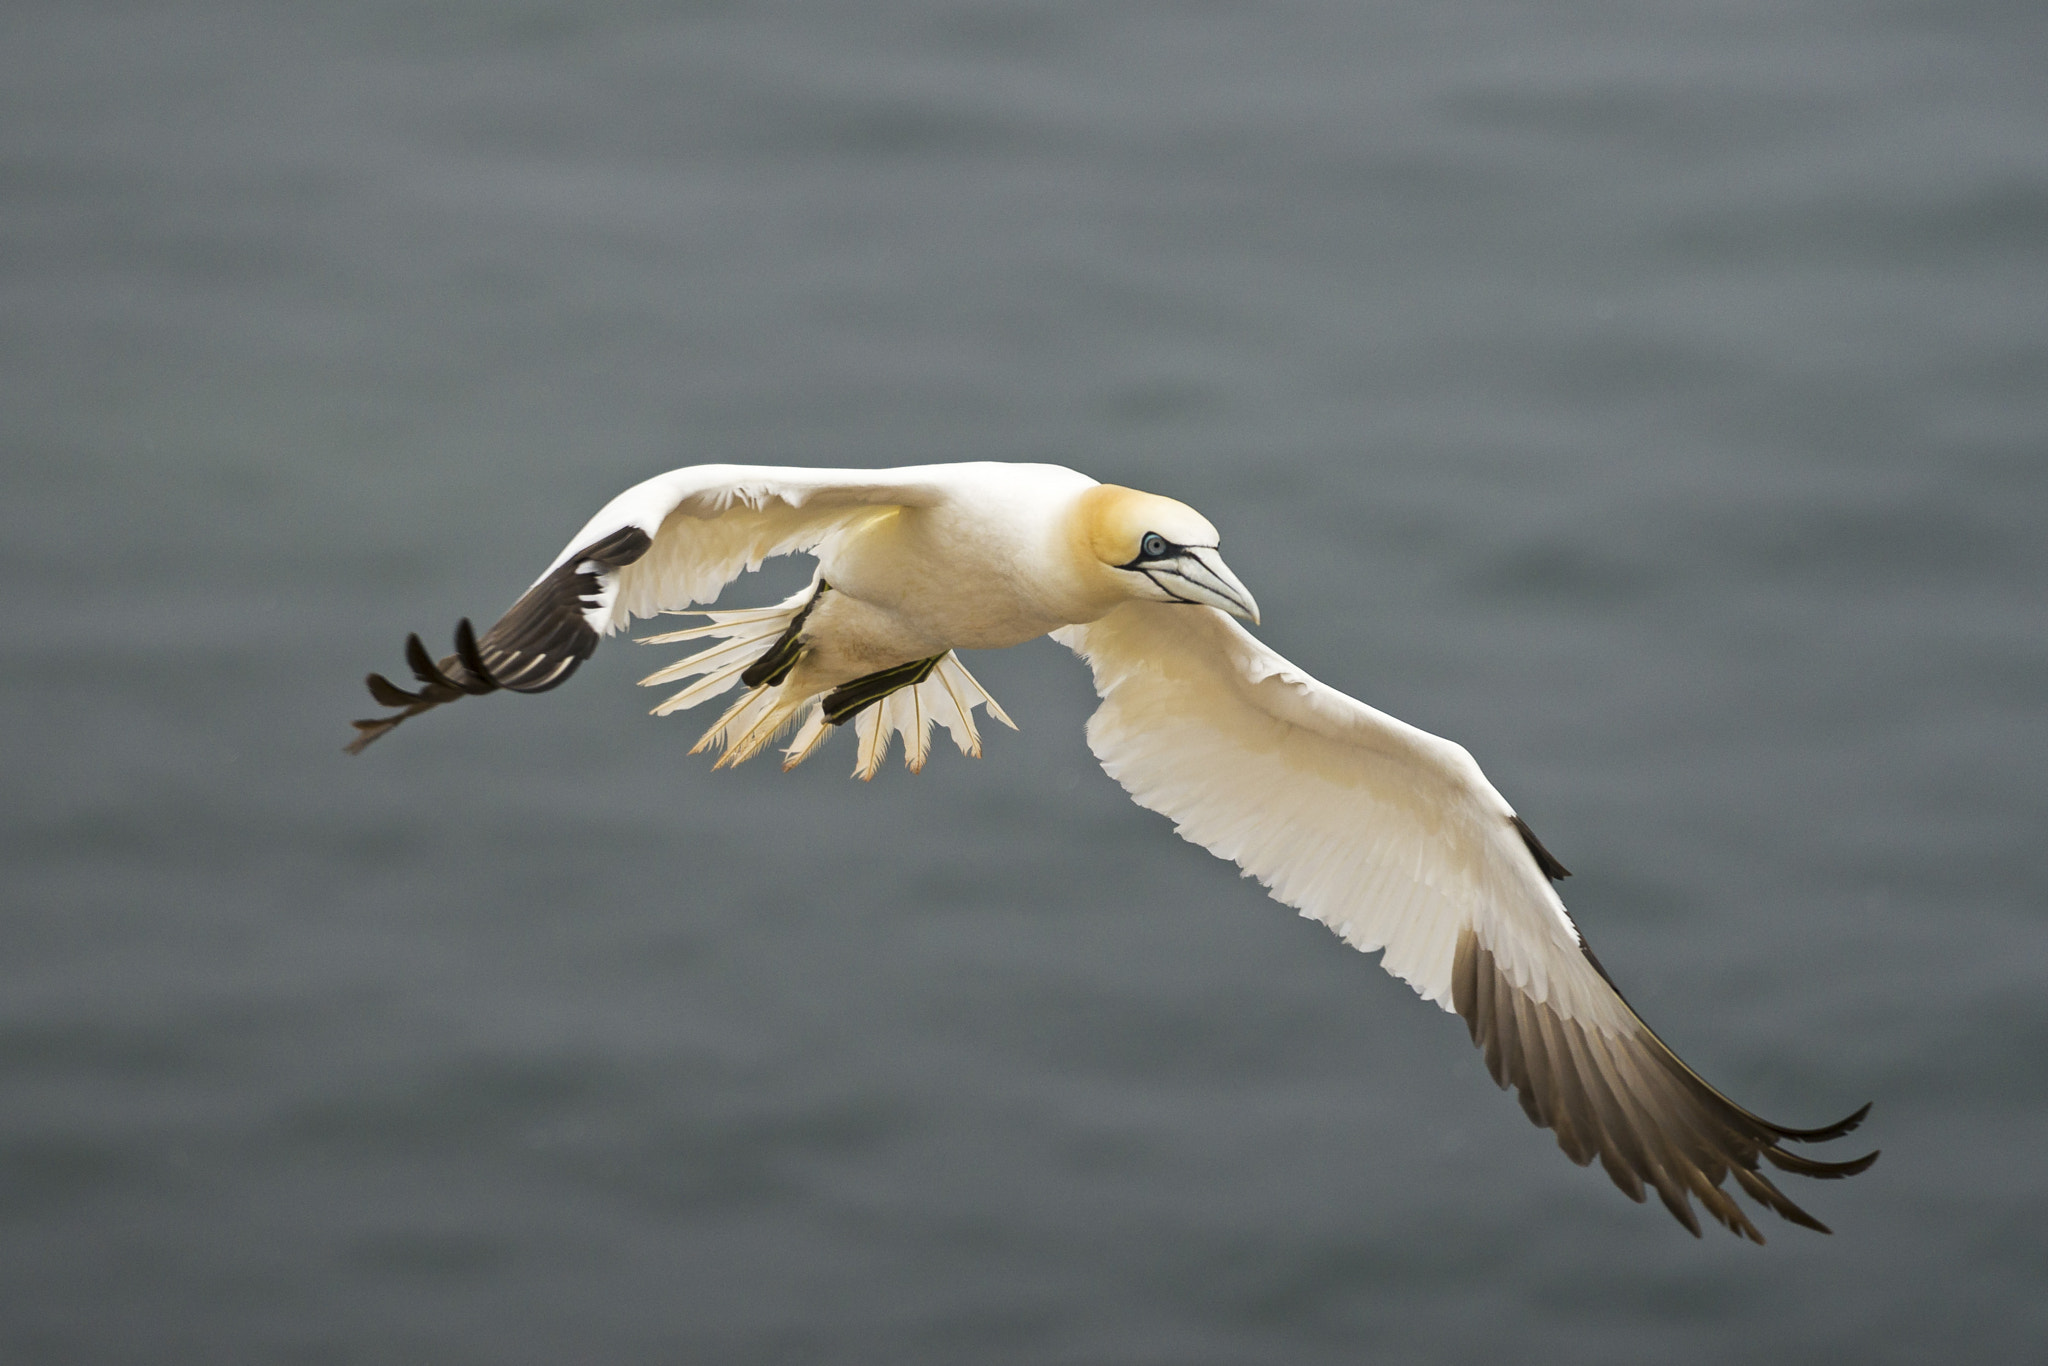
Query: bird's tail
(946, 694)
(744, 643)
(756, 647)
(742, 638)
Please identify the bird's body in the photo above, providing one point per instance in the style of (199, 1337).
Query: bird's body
(1391, 836)
(953, 574)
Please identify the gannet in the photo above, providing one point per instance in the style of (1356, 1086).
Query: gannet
(1389, 835)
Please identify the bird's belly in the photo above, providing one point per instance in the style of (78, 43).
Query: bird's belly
(939, 602)
(969, 632)
(847, 638)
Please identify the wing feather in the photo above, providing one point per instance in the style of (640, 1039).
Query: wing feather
(1395, 839)
(663, 545)
(711, 523)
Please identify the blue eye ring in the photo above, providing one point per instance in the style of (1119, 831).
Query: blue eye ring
(1153, 546)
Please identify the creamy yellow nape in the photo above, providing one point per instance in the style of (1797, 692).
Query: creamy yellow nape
(1115, 519)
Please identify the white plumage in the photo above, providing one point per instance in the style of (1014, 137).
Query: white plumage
(1389, 835)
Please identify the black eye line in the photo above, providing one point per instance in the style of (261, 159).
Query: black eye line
(1167, 550)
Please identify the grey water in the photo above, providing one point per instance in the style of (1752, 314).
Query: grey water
(1652, 397)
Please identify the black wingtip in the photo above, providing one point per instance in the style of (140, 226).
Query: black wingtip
(1861, 1164)
(435, 688)
(423, 666)
(472, 660)
(1831, 1131)
(1795, 1215)
(537, 644)
(374, 729)
(389, 694)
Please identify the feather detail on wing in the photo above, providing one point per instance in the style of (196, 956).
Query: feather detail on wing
(1395, 839)
(711, 523)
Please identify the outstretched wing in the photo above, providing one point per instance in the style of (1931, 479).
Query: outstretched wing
(1395, 839)
(662, 545)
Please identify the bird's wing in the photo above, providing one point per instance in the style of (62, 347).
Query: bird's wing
(1394, 839)
(708, 524)
(665, 544)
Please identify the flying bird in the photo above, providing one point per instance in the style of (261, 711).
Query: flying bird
(1390, 836)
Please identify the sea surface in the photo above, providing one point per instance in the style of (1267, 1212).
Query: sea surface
(1652, 397)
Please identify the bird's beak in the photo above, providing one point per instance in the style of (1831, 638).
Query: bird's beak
(1198, 574)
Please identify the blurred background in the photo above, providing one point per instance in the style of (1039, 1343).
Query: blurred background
(1652, 397)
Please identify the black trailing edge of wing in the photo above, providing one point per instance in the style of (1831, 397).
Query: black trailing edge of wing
(534, 647)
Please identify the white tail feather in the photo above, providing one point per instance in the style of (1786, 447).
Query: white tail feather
(871, 742)
(741, 649)
(948, 696)
(746, 636)
(720, 622)
(708, 686)
(749, 725)
(808, 737)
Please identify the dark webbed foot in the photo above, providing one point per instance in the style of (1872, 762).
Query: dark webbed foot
(848, 700)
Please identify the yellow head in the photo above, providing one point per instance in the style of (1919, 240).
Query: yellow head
(1159, 550)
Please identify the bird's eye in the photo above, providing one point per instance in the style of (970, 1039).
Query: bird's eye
(1153, 546)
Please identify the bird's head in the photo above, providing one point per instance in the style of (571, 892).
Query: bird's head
(1157, 550)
